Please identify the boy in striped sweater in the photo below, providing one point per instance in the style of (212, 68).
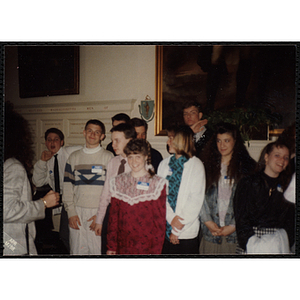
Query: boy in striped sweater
(84, 179)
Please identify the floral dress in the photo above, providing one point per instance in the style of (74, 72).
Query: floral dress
(137, 218)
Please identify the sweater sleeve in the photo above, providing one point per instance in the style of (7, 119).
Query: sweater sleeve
(105, 196)
(16, 209)
(159, 220)
(196, 194)
(68, 195)
(40, 175)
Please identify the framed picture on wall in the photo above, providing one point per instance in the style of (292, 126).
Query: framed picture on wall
(48, 70)
(226, 78)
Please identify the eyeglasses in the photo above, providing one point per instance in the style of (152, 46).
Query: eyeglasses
(190, 113)
(97, 132)
(56, 140)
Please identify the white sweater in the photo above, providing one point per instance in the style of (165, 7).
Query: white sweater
(85, 174)
(190, 196)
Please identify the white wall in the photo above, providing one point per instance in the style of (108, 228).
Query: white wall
(113, 79)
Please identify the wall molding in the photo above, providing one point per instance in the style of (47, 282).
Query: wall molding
(71, 118)
(77, 107)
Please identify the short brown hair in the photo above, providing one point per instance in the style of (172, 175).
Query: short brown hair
(56, 131)
(127, 129)
(188, 104)
(96, 122)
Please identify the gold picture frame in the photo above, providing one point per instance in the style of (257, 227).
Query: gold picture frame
(158, 92)
(169, 100)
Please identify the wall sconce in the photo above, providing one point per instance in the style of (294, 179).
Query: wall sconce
(147, 109)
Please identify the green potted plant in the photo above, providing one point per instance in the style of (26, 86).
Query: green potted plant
(249, 120)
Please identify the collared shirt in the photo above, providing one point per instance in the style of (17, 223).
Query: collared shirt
(43, 172)
(112, 171)
(198, 135)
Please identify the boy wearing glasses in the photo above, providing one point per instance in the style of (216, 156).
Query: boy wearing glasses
(84, 179)
(192, 116)
(44, 180)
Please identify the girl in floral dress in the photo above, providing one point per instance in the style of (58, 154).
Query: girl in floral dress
(137, 220)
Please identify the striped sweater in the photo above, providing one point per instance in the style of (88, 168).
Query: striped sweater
(84, 178)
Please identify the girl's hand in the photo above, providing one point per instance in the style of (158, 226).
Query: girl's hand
(174, 239)
(227, 230)
(110, 252)
(98, 229)
(213, 228)
(176, 224)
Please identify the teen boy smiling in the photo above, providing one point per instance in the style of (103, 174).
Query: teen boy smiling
(84, 179)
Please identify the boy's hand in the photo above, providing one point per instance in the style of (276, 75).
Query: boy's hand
(197, 127)
(46, 155)
(74, 222)
(92, 226)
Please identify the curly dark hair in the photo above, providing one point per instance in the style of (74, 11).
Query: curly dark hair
(17, 138)
(241, 163)
(139, 146)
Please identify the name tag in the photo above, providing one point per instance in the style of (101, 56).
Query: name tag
(170, 172)
(143, 186)
(227, 180)
(97, 169)
(279, 188)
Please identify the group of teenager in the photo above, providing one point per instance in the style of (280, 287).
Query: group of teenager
(207, 197)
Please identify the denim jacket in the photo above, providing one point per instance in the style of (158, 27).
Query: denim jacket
(210, 212)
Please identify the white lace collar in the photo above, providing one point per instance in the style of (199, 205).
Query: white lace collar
(124, 187)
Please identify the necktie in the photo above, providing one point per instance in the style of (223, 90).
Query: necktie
(56, 174)
(122, 166)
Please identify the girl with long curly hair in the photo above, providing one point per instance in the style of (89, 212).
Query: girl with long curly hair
(226, 161)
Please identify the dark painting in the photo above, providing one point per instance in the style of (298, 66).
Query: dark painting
(227, 77)
(48, 70)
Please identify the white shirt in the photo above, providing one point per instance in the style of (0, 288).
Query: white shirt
(198, 135)
(43, 171)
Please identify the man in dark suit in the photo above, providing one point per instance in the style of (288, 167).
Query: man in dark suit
(192, 116)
